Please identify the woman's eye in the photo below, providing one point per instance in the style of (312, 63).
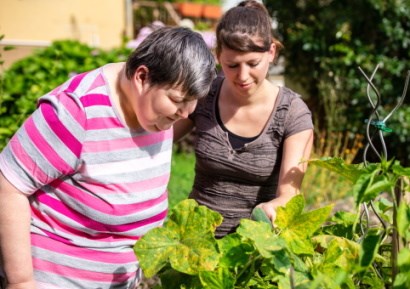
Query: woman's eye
(177, 100)
(233, 66)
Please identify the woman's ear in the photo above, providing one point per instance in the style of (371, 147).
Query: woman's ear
(272, 52)
(141, 75)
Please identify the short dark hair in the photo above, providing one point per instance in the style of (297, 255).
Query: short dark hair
(175, 56)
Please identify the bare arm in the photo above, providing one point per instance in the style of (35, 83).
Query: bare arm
(15, 236)
(182, 128)
(296, 152)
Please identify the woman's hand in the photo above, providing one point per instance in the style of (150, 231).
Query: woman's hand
(269, 210)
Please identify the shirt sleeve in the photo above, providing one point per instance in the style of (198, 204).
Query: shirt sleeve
(299, 118)
(47, 146)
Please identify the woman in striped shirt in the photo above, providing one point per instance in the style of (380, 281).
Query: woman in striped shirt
(86, 175)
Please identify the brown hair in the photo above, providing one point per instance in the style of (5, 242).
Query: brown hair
(246, 27)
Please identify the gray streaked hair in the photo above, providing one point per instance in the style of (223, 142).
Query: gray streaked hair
(175, 56)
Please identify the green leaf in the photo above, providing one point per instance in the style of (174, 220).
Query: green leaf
(194, 220)
(368, 249)
(286, 215)
(341, 224)
(186, 241)
(344, 218)
(261, 235)
(299, 280)
(154, 249)
(296, 227)
(219, 279)
(281, 261)
(373, 281)
(171, 279)
(234, 252)
(298, 244)
(403, 220)
(402, 280)
(400, 171)
(349, 171)
(339, 252)
(332, 279)
(369, 186)
(403, 260)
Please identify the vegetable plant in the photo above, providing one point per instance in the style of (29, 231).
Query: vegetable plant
(303, 249)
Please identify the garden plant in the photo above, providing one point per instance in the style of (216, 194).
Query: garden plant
(301, 250)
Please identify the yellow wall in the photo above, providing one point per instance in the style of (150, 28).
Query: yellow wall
(35, 23)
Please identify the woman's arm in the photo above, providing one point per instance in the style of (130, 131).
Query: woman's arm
(15, 242)
(182, 128)
(296, 151)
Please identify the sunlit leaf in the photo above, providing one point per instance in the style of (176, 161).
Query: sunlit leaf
(186, 241)
(403, 220)
(349, 171)
(400, 171)
(261, 236)
(286, 215)
(296, 227)
(339, 252)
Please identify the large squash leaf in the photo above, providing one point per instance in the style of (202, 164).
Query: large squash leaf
(186, 241)
(297, 227)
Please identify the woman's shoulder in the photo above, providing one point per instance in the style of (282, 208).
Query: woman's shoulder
(216, 86)
(290, 97)
(288, 93)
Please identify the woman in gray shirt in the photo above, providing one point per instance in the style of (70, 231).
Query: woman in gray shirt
(251, 136)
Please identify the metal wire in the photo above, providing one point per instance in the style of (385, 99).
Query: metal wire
(380, 124)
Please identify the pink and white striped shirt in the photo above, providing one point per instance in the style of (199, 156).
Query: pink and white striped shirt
(95, 186)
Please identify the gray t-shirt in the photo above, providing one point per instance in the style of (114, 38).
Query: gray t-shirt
(233, 181)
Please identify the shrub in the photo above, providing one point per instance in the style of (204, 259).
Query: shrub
(30, 78)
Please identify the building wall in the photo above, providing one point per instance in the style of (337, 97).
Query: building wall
(27, 24)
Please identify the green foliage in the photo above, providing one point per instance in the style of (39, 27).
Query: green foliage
(28, 79)
(368, 181)
(182, 177)
(186, 241)
(325, 43)
(303, 249)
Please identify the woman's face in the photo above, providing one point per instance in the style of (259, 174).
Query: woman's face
(245, 71)
(158, 108)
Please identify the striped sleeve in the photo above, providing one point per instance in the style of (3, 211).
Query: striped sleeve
(47, 146)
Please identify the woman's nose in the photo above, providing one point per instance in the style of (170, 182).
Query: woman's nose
(187, 109)
(243, 73)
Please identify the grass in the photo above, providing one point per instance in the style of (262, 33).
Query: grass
(182, 177)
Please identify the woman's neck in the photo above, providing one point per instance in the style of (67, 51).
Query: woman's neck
(122, 91)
